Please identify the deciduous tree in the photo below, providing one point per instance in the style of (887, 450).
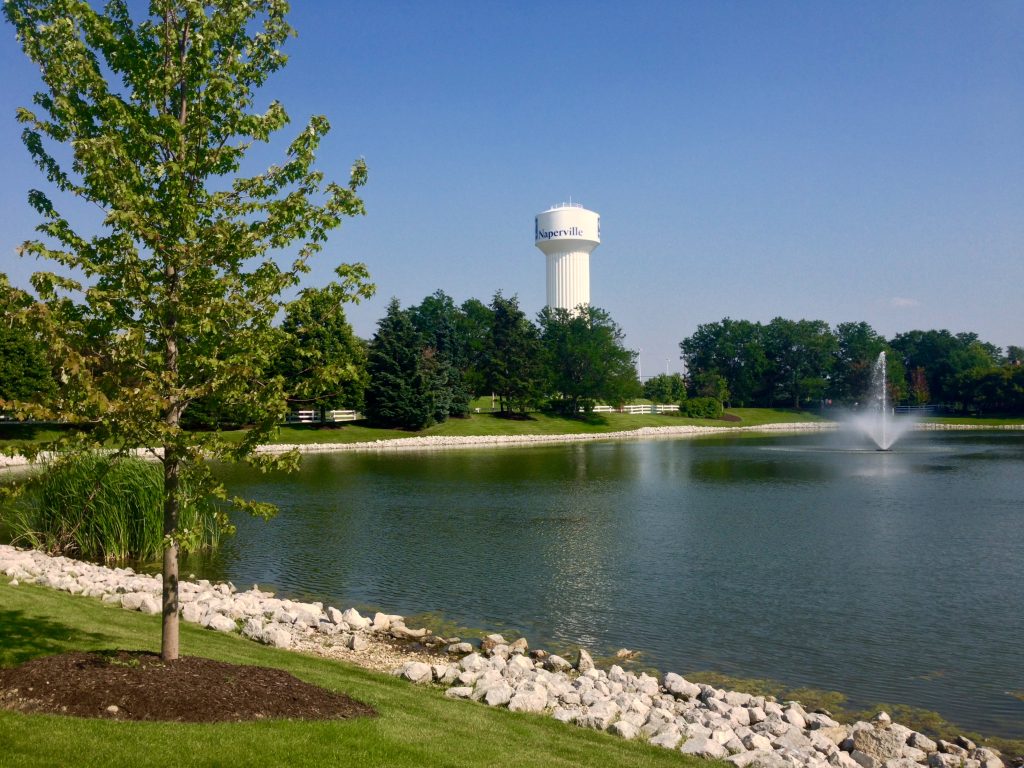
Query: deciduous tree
(321, 360)
(586, 359)
(173, 298)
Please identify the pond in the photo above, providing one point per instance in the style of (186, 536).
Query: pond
(893, 577)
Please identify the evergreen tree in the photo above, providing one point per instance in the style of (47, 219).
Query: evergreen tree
(438, 319)
(403, 375)
(512, 364)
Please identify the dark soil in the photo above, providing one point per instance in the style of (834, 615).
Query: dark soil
(132, 685)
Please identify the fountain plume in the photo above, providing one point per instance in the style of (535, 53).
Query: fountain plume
(877, 420)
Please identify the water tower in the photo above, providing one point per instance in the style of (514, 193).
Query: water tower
(567, 234)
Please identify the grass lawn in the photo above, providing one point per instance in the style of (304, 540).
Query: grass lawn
(416, 726)
(994, 421)
(538, 424)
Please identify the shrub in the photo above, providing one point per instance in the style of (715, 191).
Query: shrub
(701, 408)
(99, 508)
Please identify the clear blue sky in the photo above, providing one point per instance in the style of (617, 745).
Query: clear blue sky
(819, 160)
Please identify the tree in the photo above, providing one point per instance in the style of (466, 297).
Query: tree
(858, 347)
(474, 322)
(321, 360)
(403, 373)
(710, 385)
(173, 300)
(734, 350)
(585, 359)
(950, 362)
(25, 375)
(665, 388)
(800, 355)
(512, 367)
(439, 320)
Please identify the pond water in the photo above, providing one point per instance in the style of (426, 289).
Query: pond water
(893, 577)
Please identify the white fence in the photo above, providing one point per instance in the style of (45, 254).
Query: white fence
(330, 417)
(636, 409)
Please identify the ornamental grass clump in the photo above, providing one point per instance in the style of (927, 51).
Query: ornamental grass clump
(108, 509)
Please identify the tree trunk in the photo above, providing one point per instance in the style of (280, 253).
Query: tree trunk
(169, 633)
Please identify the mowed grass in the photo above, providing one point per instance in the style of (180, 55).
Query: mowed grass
(416, 726)
(491, 424)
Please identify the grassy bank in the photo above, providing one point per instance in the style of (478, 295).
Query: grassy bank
(490, 424)
(416, 726)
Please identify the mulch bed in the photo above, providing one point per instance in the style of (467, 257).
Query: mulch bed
(132, 685)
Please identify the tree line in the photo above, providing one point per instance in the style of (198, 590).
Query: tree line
(796, 363)
(427, 362)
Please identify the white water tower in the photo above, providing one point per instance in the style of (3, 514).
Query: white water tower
(567, 234)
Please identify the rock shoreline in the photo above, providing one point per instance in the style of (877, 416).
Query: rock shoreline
(670, 712)
(442, 442)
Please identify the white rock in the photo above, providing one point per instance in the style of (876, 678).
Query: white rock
(131, 601)
(703, 746)
(759, 760)
(358, 643)
(518, 666)
(915, 754)
(881, 743)
(459, 692)
(489, 679)
(474, 663)
(416, 672)
(445, 674)
(529, 697)
(794, 716)
(278, 636)
(151, 605)
(222, 623)
(668, 737)
(499, 694)
(556, 663)
(793, 739)
(584, 663)
(922, 742)
(817, 720)
(864, 760)
(564, 714)
(988, 758)
(757, 742)
(253, 629)
(624, 729)
(599, 716)
(354, 620)
(679, 687)
(335, 616)
(456, 648)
